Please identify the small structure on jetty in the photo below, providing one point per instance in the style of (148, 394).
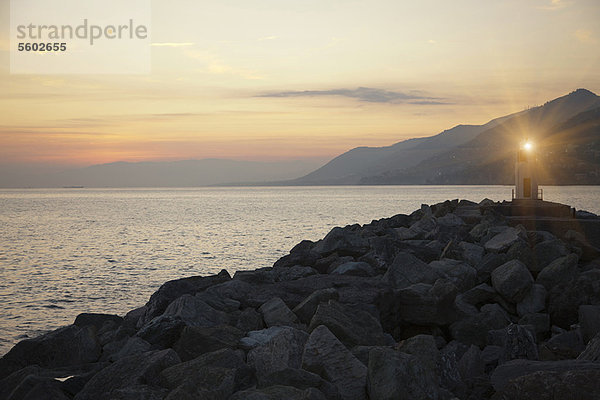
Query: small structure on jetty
(526, 184)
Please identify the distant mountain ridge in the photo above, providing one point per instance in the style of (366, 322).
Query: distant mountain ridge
(465, 154)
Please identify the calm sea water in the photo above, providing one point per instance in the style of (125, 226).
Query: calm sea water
(67, 251)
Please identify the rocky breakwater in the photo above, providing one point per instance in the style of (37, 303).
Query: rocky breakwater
(449, 302)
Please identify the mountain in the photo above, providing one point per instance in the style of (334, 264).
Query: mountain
(465, 154)
(362, 162)
(185, 173)
(556, 127)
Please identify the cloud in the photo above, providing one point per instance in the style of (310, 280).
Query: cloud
(371, 95)
(214, 65)
(268, 38)
(555, 5)
(173, 44)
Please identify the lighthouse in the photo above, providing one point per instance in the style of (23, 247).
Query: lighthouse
(526, 185)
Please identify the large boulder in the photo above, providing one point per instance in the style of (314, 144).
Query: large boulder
(407, 270)
(516, 342)
(195, 341)
(461, 274)
(326, 356)
(306, 309)
(589, 321)
(503, 240)
(141, 369)
(592, 350)
(561, 270)
(512, 280)
(162, 331)
(474, 329)
(546, 252)
(350, 324)
(422, 347)
(394, 375)
(300, 379)
(564, 299)
(70, 345)
(356, 268)
(424, 304)
(195, 312)
(278, 392)
(282, 351)
(534, 301)
(344, 241)
(276, 312)
(171, 290)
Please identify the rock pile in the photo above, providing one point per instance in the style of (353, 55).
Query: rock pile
(449, 302)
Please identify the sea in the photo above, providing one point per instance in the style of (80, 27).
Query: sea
(69, 251)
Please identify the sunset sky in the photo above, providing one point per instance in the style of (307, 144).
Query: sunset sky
(273, 79)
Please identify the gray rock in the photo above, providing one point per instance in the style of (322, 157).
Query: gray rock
(130, 371)
(306, 309)
(293, 273)
(546, 252)
(139, 392)
(276, 312)
(471, 365)
(592, 350)
(407, 270)
(96, 320)
(195, 312)
(551, 385)
(70, 345)
(326, 356)
(282, 351)
(521, 251)
(344, 241)
(517, 368)
(396, 375)
(534, 301)
(503, 240)
(300, 379)
(474, 329)
(564, 299)
(516, 342)
(425, 228)
(561, 270)
(133, 346)
(589, 321)
(462, 275)
(488, 264)
(424, 348)
(171, 290)
(354, 268)
(162, 331)
(195, 341)
(350, 324)
(261, 337)
(512, 280)
(471, 253)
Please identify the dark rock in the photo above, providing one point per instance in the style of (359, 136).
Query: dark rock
(425, 229)
(471, 364)
(462, 275)
(132, 318)
(220, 373)
(195, 312)
(563, 346)
(592, 350)
(344, 241)
(300, 379)
(407, 270)
(521, 251)
(396, 375)
(422, 347)
(250, 320)
(512, 280)
(534, 301)
(139, 392)
(326, 356)
(589, 321)
(516, 342)
(488, 264)
(561, 270)
(551, 385)
(471, 253)
(34, 387)
(132, 346)
(351, 325)
(96, 320)
(195, 341)
(474, 329)
(504, 374)
(354, 268)
(424, 304)
(546, 252)
(293, 273)
(283, 350)
(425, 250)
(503, 240)
(162, 332)
(70, 345)
(306, 309)
(540, 323)
(278, 392)
(276, 312)
(564, 299)
(301, 254)
(141, 369)
(171, 290)
(257, 276)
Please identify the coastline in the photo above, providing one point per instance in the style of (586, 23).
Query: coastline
(453, 299)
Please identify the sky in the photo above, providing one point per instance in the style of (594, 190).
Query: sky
(276, 80)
